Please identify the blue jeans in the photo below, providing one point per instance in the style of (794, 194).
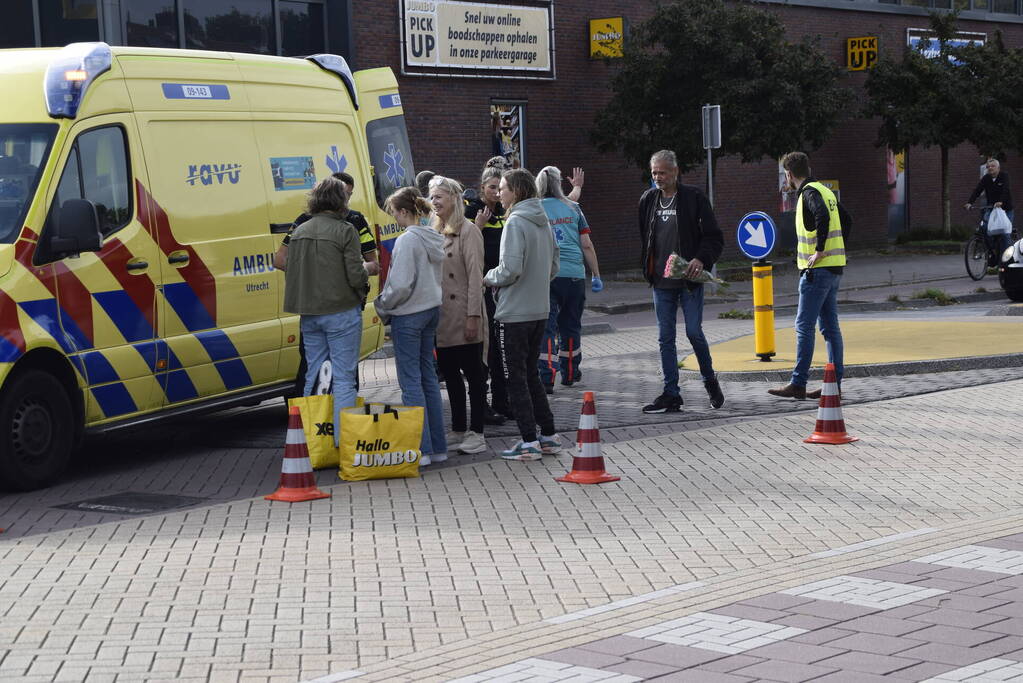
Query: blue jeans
(337, 336)
(666, 303)
(560, 348)
(818, 301)
(413, 337)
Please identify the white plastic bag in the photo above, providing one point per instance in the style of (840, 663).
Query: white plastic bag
(998, 222)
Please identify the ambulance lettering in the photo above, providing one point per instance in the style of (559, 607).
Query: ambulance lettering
(385, 459)
(253, 265)
(204, 174)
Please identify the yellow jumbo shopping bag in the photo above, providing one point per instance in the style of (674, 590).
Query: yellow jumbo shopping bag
(380, 441)
(318, 425)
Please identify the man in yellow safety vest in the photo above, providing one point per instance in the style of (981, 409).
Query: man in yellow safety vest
(820, 256)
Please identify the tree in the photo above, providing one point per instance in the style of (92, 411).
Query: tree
(926, 99)
(775, 95)
(995, 73)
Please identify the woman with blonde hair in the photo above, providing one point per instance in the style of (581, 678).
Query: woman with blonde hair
(463, 327)
(326, 284)
(410, 301)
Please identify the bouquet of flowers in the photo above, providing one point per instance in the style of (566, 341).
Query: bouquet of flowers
(675, 268)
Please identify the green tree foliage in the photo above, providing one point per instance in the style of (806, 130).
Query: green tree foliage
(995, 78)
(923, 98)
(941, 95)
(775, 95)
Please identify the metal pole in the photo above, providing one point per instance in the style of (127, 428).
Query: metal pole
(710, 177)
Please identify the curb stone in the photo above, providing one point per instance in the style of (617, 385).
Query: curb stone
(918, 367)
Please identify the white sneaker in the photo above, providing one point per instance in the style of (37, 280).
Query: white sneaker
(474, 443)
(425, 460)
(550, 445)
(455, 438)
(438, 457)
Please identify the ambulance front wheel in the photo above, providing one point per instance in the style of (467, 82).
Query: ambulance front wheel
(36, 430)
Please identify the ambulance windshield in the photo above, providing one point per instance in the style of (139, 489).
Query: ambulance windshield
(23, 152)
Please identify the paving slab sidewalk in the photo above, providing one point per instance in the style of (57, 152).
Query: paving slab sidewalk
(462, 570)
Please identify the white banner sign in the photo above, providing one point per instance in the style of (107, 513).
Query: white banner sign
(470, 35)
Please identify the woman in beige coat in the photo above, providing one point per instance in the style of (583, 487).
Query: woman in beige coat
(463, 320)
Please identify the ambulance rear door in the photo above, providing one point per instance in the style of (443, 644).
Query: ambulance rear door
(390, 154)
(296, 150)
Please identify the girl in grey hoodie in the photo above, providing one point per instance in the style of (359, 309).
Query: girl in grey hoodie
(410, 300)
(528, 262)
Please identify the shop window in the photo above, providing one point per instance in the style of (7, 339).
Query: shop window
(67, 21)
(507, 125)
(151, 23)
(230, 25)
(16, 28)
(301, 28)
(1004, 6)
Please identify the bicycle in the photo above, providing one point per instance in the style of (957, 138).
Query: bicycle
(982, 251)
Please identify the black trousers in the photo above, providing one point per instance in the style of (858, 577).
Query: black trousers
(495, 366)
(454, 361)
(520, 351)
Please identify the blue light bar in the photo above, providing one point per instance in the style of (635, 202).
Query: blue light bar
(337, 64)
(70, 74)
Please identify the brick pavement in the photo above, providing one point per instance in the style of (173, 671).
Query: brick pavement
(235, 455)
(462, 570)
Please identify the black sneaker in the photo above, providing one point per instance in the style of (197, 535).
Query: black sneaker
(717, 399)
(549, 388)
(492, 417)
(664, 404)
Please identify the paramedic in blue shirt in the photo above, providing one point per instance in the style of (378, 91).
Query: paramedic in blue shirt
(560, 350)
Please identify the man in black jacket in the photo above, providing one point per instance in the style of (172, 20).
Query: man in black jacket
(995, 187)
(677, 218)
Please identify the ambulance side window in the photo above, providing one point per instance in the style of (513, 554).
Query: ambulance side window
(97, 170)
(390, 154)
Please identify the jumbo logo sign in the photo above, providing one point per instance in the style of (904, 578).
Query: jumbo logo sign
(367, 459)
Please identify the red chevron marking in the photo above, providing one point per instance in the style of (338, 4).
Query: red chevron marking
(140, 288)
(10, 327)
(196, 274)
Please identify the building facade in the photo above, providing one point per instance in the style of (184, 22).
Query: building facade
(520, 78)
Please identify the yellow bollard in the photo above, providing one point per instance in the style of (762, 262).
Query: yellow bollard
(763, 310)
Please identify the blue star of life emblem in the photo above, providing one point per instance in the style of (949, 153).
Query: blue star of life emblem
(336, 163)
(395, 171)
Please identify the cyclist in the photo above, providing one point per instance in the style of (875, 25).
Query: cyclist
(995, 186)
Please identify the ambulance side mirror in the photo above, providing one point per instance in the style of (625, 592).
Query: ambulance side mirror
(76, 229)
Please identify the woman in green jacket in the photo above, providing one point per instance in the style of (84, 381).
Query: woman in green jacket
(327, 284)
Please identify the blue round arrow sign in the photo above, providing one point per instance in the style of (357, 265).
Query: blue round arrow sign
(756, 234)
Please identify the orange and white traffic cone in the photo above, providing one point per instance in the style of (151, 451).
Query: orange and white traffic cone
(297, 481)
(588, 463)
(830, 427)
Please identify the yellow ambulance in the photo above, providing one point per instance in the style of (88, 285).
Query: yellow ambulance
(143, 193)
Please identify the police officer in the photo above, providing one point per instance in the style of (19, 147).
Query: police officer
(820, 255)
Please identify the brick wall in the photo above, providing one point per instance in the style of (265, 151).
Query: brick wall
(449, 124)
